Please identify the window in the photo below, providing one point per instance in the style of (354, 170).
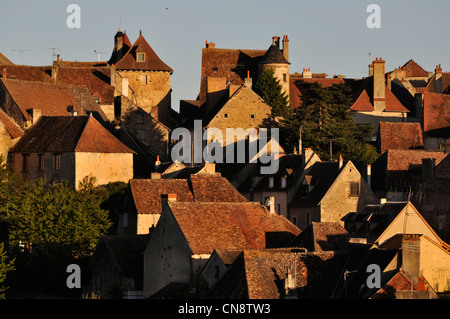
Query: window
(41, 163)
(354, 189)
(225, 115)
(25, 162)
(140, 57)
(284, 77)
(294, 220)
(252, 116)
(140, 119)
(57, 162)
(144, 79)
(141, 134)
(215, 69)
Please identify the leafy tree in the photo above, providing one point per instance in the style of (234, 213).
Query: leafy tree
(324, 118)
(5, 266)
(58, 218)
(271, 91)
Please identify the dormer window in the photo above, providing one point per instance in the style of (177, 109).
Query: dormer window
(140, 57)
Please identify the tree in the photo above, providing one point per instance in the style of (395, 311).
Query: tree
(56, 219)
(271, 91)
(325, 119)
(5, 266)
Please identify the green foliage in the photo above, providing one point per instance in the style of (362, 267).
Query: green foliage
(323, 117)
(271, 91)
(59, 218)
(5, 266)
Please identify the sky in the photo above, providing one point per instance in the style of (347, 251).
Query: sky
(327, 36)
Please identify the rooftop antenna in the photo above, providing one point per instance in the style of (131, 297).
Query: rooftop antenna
(54, 51)
(98, 54)
(20, 52)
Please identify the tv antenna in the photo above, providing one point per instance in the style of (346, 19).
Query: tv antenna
(20, 52)
(54, 51)
(98, 54)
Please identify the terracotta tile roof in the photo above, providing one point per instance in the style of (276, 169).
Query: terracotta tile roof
(68, 134)
(26, 73)
(445, 83)
(147, 193)
(414, 70)
(152, 61)
(262, 274)
(4, 60)
(399, 135)
(363, 97)
(436, 111)
(403, 160)
(242, 225)
(231, 64)
(51, 99)
(214, 188)
(97, 80)
(323, 236)
(11, 127)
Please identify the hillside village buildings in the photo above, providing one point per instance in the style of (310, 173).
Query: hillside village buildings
(226, 230)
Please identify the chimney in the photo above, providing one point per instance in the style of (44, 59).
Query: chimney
(155, 175)
(210, 45)
(307, 74)
(286, 47)
(209, 168)
(438, 79)
(54, 71)
(411, 254)
(428, 165)
(272, 204)
(112, 80)
(341, 161)
(371, 69)
(379, 85)
(369, 175)
(248, 80)
(276, 41)
(35, 115)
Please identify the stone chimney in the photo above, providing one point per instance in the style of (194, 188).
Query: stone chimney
(341, 161)
(307, 74)
(379, 85)
(209, 168)
(155, 175)
(438, 79)
(369, 175)
(272, 204)
(210, 45)
(411, 254)
(248, 82)
(371, 69)
(35, 115)
(276, 41)
(286, 47)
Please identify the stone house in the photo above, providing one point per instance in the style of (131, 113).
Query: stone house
(188, 233)
(69, 148)
(281, 187)
(141, 77)
(10, 133)
(328, 192)
(149, 195)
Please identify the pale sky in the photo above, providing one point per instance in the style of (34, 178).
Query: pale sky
(328, 36)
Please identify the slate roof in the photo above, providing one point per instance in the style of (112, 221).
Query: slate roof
(274, 55)
(399, 135)
(69, 134)
(115, 56)
(226, 225)
(152, 61)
